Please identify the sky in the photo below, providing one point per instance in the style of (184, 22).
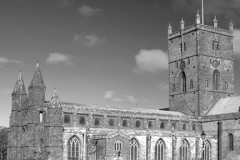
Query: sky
(110, 52)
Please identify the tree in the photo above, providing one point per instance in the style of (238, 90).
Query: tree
(3, 143)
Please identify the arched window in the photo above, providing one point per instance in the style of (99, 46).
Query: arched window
(216, 80)
(96, 122)
(118, 147)
(162, 125)
(74, 148)
(82, 120)
(184, 127)
(193, 127)
(207, 151)
(230, 140)
(206, 82)
(133, 149)
(173, 126)
(226, 85)
(191, 84)
(66, 118)
(184, 150)
(150, 124)
(41, 146)
(124, 123)
(159, 150)
(183, 81)
(138, 124)
(111, 122)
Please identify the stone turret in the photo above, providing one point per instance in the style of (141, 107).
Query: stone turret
(198, 21)
(215, 22)
(37, 88)
(169, 29)
(231, 26)
(182, 24)
(19, 95)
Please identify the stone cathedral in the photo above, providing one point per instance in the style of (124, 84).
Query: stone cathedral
(202, 122)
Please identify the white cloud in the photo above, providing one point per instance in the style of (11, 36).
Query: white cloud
(88, 11)
(236, 42)
(4, 60)
(111, 95)
(108, 94)
(54, 58)
(89, 40)
(131, 99)
(151, 61)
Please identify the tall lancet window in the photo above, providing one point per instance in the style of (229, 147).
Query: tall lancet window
(133, 149)
(73, 148)
(159, 150)
(207, 151)
(183, 81)
(216, 80)
(184, 151)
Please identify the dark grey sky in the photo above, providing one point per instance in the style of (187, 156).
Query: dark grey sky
(109, 52)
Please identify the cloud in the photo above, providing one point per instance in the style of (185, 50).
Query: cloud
(131, 99)
(4, 60)
(89, 40)
(87, 11)
(108, 94)
(151, 61)
(54, 58)
(111, 95)
(236, 42)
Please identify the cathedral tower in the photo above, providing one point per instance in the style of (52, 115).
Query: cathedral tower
(200, 67)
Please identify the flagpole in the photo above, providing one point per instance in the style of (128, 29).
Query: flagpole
(202, 14)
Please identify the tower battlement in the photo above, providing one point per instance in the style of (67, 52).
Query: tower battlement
(201, 27)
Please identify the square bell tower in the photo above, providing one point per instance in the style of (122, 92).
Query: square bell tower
(201, 67)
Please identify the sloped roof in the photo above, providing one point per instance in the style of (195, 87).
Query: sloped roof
(225, 106)
(96, 107)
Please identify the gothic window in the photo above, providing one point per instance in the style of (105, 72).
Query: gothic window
(184, 46)
(230, 141)
(162, 125)
(177, 64)
(111, 122)
(159, 150)
(226, 85)
(216, 80)
(180, 48)
(191, 84)
(96, 122)
(184, 127)
(184, 150)
(118, 147)
(138, 124)
(41, 146)
(66, 118)
(173, 126)
(213, 45)
(183, 81)
(188, 61)
(173, 87)
(133, 149)
(206, 82)
(150, 125)
(217, 45)
(124, 123)
(41, 116)
(207, 151)
(82, 120)
(193, 127)
(73, 148)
